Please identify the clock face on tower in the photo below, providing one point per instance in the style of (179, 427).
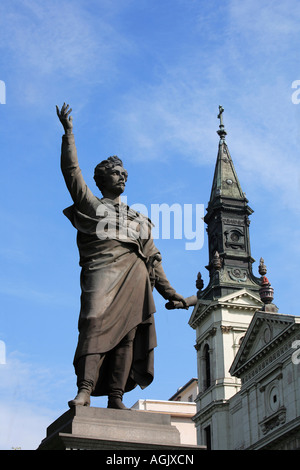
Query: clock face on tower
(234, 239)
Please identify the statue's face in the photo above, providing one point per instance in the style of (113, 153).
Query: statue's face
(115, 180)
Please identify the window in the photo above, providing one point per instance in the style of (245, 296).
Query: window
(207, 437)
(207, 366)
(274, 399)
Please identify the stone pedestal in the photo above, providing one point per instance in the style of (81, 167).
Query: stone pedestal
(92, 428)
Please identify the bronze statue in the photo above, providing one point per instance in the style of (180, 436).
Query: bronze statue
(120, 267)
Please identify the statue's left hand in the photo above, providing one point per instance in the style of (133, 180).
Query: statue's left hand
(176, 301)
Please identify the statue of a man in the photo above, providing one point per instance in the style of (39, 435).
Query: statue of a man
(120, 267)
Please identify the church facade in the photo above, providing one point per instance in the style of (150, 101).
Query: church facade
(247, 359)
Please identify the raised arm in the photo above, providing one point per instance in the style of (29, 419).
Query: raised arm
(83, 198)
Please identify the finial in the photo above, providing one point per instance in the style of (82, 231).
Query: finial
(199, 282)
(262, 269)
(266, 292)
(216, 261)
(199, 285)
(221, 130)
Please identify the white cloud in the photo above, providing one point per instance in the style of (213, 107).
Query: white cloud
(269, 24)
(172, 116)
(30, 401)
(181, 119)
(23, 425)
(21, 290)
(243, 73)
(55, 37)
(58, 47)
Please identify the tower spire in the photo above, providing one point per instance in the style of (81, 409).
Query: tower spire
(225, 182)
(227, 219)
(227, 303)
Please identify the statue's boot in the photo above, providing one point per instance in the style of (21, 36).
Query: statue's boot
(83, 396)
(120, 364)
(116, 403)
(87, 369)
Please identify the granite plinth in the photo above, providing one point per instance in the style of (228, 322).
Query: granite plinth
(93, 428)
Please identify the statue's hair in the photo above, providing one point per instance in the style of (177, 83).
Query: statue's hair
(102, 167)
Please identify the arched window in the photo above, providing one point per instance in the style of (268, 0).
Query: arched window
(207, 370)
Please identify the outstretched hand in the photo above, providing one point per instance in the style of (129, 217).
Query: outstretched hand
(65, 118)
(177, 301)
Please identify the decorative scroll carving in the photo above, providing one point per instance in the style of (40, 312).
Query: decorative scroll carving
(273, 421)
(238, 275)
(226, 329)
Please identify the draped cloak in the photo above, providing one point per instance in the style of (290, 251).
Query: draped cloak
(118, 275)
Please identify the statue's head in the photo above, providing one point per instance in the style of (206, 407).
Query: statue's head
(111, 176)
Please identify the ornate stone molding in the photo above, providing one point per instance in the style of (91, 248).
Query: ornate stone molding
(226, 329)
(267, 356)
(238, 275)
(208, 307)
(211, 332)
(279, 376)
(278, 418)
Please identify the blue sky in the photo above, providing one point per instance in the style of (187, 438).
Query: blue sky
(145, 79)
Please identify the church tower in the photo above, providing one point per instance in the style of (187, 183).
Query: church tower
(225, 307)
(227, 219)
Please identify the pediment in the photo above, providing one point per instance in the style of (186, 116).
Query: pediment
(264, 329)
(202, 305)
(242, 297)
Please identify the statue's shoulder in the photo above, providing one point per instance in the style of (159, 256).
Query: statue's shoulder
(138, 216)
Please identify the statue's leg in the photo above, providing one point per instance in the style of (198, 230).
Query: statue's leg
(119, 369)
(87, 370)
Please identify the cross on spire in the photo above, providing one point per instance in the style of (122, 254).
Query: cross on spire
(221, 130)
(220, 115)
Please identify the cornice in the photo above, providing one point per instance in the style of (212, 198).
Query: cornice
(198, 316)
(225, 329)
(266, 356)
(211, 332)
(208, 411)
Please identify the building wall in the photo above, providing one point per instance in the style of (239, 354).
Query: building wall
(181, 416)
(265, 413)
(220, 330)
(187, 392)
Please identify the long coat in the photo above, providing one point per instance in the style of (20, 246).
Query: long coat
(117, 277)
